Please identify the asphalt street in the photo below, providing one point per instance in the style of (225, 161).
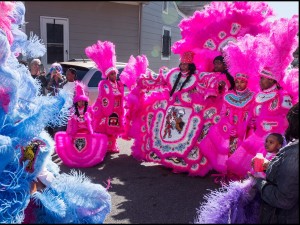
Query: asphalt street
(143, 192)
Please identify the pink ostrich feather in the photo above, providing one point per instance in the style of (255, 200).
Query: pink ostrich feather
(290, 83)
(245, 56)
(284, 40)
(220, 23)
(6, 9)
(103, 54)
(134, 68)
(252, 18)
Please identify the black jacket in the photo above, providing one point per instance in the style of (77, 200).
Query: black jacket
(280, 190)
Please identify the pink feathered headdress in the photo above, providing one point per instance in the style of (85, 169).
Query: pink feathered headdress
(104, 55)
(79, 93)
(283, 42)
(133, 70)
(241, 57)
(219, 23)
(290, 83)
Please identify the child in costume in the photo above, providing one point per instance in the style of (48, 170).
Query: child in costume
(232, 126)
(79, 146)
(108, 108)
(80, 122)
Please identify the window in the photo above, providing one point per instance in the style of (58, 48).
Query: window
(55, 45)
(96, 78)
(166, 43)
(55, 36)
(165, 7)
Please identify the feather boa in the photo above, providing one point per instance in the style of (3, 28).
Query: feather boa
(236, 202)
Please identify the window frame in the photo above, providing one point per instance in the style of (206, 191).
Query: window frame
(165, 10)
(162, 43)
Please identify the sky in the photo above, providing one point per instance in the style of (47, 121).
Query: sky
(284, 9)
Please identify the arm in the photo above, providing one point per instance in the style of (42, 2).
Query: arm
(43, 80)
(72, 126)
(49, 85)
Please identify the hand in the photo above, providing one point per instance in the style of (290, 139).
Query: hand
(266, 164)
(43, 73)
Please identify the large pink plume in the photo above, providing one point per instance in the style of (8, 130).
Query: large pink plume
(222, 21)
(207, 32)
(204, 58)
(290, 83)
(134, 68)
(284, 39)
(245, 56)
(103, 54)
(6, 9)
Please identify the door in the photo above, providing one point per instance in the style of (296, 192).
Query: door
(55, 35)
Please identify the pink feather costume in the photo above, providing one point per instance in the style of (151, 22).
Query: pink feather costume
(108, 108)
(133, 102)
(172, 127)
(139, 99)
(232, 128)
(271, 105)
(79, 146)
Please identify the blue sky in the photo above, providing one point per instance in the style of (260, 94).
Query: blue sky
(284, 9)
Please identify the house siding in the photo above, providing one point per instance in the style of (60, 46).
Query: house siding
(90, 21)
(153, 21)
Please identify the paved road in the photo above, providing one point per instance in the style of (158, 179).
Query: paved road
(144, 193)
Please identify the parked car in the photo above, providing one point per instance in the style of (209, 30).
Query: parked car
(88, 74)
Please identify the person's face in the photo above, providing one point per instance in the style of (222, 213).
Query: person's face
(219, 66)
(240, 84)
(184, 67)
(35, 67)
(112, 76)
(80, 104)
(70, 76)
(272, 144)
(266, 83)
